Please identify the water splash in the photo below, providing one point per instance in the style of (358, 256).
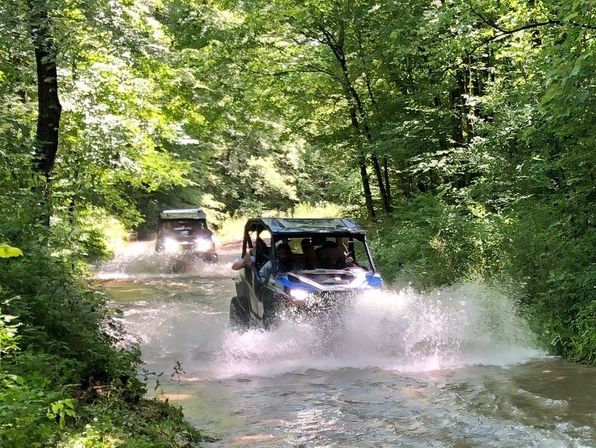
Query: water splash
(138, 260)
(468, 324)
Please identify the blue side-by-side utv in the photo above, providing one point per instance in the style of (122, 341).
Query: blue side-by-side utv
(300, 266)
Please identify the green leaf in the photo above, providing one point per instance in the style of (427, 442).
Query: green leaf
(7, 251)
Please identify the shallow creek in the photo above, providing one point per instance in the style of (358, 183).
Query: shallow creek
(455, 368)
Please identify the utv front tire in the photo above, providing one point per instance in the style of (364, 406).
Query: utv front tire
(238, 316)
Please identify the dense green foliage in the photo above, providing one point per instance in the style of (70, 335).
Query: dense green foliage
(68, 378)
(468, 123)
(462, 131)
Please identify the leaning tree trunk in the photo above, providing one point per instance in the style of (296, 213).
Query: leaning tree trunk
(336, 44)
(49, 108)
(364, 176)
(353, 97)
(384, 183)
(366, 187)
(362, 162)
(386, 176)
(366, 132)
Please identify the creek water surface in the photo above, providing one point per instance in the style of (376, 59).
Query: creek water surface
(455, 368)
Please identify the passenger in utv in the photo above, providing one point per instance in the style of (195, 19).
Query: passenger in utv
(262, 253)
(309, 257)
(330, 256)
(257, 256)
(333, 255)
(285, 262)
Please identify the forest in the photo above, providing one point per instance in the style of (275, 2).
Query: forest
(461, 133)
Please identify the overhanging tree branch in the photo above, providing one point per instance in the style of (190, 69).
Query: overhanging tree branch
(532, 25)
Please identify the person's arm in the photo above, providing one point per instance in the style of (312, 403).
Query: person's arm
(244, 263)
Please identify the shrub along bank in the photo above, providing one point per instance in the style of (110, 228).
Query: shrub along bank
(67, 378)
(541, 247)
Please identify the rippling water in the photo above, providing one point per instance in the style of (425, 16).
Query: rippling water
(454, 368)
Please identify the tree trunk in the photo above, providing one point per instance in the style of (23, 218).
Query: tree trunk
(381, 181)
(468, 90)
(364, 177)
(336, 46)
(366, 187)
(386, 175)
(458, 108)
(365, 130)
(360, 126)
(49, 108)
(384, 183)
(443, 144)
(369, 89)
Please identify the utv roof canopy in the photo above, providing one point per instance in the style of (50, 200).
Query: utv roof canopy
(185, 213)
(299, 226)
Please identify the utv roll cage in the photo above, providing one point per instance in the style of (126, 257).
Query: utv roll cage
(194, 214)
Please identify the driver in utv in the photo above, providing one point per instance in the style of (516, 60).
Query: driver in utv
(286, 262)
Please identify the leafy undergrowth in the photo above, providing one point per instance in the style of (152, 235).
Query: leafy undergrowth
(39, 413)
(67, 377)
(544, 250)
(116, 423)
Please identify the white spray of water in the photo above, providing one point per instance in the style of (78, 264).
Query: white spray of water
(469, 324)
(404, 331)
(138, 260)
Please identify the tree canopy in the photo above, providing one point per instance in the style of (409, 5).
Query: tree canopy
(463, 129)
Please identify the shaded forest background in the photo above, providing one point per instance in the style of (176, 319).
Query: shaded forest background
(461, 132)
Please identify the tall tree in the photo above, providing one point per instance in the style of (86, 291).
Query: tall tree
(49, 107)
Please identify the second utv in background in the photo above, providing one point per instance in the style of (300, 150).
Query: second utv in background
(185, 231)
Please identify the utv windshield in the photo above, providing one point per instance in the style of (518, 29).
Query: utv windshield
(184, 226)
(316, 251)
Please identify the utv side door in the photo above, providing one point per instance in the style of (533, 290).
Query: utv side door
(250, 284)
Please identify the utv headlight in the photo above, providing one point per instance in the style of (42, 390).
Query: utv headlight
(299, 295)
(171, 245)
(202, 245)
